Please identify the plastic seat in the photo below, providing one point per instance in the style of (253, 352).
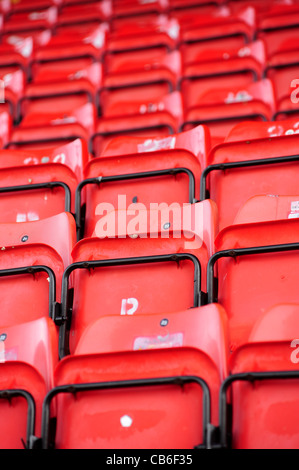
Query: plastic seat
(159, 34)
(261, 130)
(79, 120)
(165, 71)
(57, 232)
(28, 358)
(249, 59)
(30, 21)
(174, 172)
(86, 12)
(264, 375)
(34, 271)
(134, 8)
(153, 259)
(36, 191)
(70, 51)
(32, 5)
(238, 171)
(256, 268)
(154, 118)
(55, 97)
(278, 27)
(74, 155)
(196, 141)
(140, 391)
(60, 132)
(223, 107)
(224, 29)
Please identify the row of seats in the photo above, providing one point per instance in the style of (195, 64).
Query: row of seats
(91, 81)
(148, 258)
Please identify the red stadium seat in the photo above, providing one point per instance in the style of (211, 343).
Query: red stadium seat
(238, 171)
(145, 264)
(173, 169)
(256, 268)
(222, 107)
(131, 383)
(29, 21)
(36, 191)
(74, 155)
(142, 116)
(264, 376)
(28, 357)
(57, 232)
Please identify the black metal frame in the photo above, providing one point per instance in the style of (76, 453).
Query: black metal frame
(241, 164)
(131, 176)
(65, 319)
(233, 253)
(242, 117)
(225, 432)
(47, 185)
(83, 387)
(31, 410)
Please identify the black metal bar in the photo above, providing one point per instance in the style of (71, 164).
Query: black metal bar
(47, 185)
(173, 257)
(286, 111)
(83, 387)
(138, 84)
(218, 74)
(20, 143)
(270, 29)
(279, 67)
(242, 117)
(249, 377)
(11, 393)
(136, 49)
(32, 270)
(233, 253)
(131, 176)
(215, 38)
(60, 59)
(241, 164)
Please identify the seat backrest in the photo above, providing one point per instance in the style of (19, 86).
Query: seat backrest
(269, 361)
(152, 267)
(48, 189)
(72, 154)
(255, 267)
(35, 272)
(126, 182)
(249, 171)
